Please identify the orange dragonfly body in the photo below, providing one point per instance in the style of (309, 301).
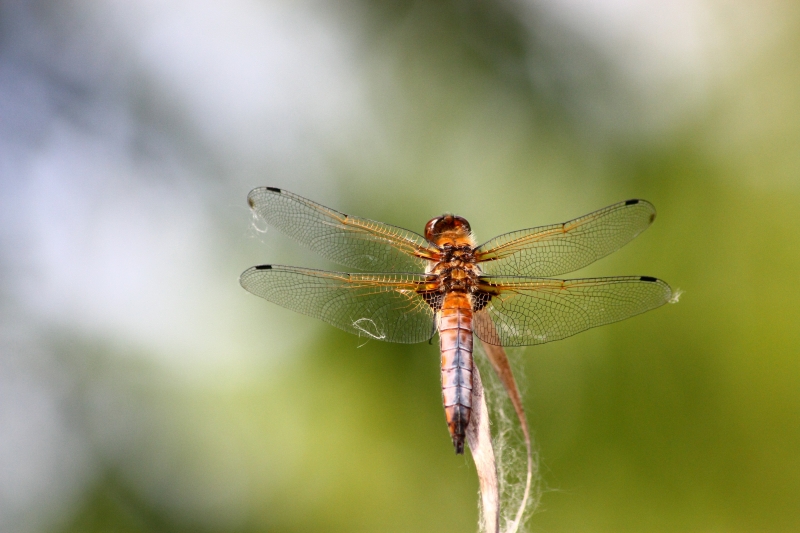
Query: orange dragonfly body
(500, 291)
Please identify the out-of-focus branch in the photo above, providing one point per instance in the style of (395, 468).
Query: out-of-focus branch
(499, 361)
(479, 439)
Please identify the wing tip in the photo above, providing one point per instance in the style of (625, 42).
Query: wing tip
(657, 281)
(258, 191)
(636, 201)
(671, 296)
(246, 273)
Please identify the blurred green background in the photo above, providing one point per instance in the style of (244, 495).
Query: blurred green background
(142, 390)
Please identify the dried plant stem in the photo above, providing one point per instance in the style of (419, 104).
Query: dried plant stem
(479, 439)
(499, 361)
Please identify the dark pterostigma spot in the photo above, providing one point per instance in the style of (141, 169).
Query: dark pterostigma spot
(648, 278)
(273, 189)
(631, 202)
(263, 267)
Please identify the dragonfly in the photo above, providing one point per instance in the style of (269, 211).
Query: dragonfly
(413, 286)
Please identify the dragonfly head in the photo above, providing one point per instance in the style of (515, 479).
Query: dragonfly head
(449, 227)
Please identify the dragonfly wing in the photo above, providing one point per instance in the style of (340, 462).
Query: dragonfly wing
(560, 248)
(525, 311)
(351, 241)
(389, 307)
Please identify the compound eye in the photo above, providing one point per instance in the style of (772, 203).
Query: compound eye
(445, 223)
(461, 222)
(430, 228)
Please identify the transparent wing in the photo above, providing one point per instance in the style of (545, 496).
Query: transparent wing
(386, 307)
(351, 241)
(560, 248)
(524, 311)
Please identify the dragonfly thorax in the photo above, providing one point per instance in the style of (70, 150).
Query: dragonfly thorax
(457, 255)
(457, 268)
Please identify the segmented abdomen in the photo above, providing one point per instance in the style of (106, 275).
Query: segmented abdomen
(455, 344)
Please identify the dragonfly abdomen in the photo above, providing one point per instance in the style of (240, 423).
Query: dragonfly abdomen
(455, 345)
